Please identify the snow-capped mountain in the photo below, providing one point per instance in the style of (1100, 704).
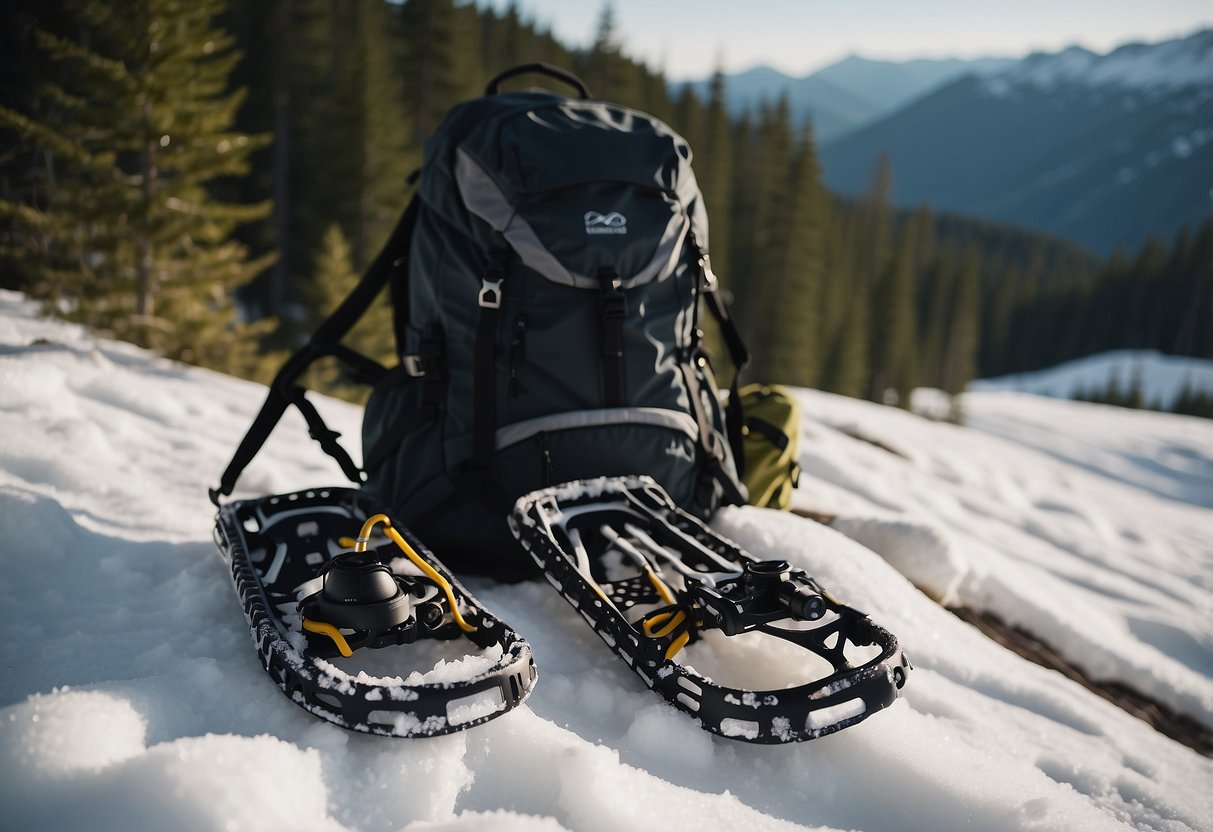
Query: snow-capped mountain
(1169, 65)
(1104, 149)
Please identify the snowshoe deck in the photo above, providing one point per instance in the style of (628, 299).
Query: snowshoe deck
(310, 601)
(651, 579)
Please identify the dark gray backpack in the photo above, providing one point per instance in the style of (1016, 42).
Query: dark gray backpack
(546, 280)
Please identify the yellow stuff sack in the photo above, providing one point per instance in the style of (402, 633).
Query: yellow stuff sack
(771, 442)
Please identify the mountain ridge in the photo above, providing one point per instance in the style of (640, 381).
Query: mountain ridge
(1168, 65)
(845, 95)
(1106, 150)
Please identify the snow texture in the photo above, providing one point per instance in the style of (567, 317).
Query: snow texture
(1159, 377)
(132, 695)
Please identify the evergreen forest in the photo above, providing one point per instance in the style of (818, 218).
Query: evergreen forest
(208, 178)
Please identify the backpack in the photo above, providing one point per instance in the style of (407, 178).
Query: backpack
(771, 445)
(546, 282)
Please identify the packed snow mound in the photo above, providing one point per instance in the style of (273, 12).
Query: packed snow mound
(132, 693)
(924, 553)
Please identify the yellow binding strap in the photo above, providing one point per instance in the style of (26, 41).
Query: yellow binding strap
(671, 620)
(332, 632)
(429, 571)
(677, 644)
(659, 585)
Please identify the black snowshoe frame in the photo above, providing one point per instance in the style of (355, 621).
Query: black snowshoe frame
(649, 577)
(277, 547)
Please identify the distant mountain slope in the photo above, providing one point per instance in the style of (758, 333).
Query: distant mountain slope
(1105, 150)
(848, 94)
(889, 85)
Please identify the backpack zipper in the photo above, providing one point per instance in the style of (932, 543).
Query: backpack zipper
(612, 311)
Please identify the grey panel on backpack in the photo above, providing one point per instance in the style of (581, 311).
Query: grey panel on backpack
(655, 416)
(485, 199)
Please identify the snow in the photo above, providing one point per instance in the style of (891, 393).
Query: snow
(1161, 377)
(1074, 521)
(132, 692)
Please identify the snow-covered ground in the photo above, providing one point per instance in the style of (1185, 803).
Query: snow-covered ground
(1160, 377)
(132, 698)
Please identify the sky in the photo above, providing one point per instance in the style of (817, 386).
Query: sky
(689, 38)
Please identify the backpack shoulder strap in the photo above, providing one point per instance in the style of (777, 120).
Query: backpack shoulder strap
(739, 354)
(284, 392)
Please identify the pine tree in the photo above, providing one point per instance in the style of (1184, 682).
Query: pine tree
(894, 342)
(132, 241)
(385, 159)
(342, 136)
(1194, 333)
(264, 33)
(430, 63)
(847, 305)
(874, 222)
(964, 325)
(688, 118)
(27, 166)
(761, 205)
(738, 274)
(790, 334)
(998, 316)
(713, 169)
(609, 74)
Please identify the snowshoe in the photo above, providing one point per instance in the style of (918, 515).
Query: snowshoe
(651, 579)
(317, 588)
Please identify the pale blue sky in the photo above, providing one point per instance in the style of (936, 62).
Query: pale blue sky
(687, 38)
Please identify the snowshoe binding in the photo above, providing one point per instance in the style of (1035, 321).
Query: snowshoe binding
(651, 579)
(314, 595)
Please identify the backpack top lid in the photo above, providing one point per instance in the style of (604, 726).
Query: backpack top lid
(573, 185)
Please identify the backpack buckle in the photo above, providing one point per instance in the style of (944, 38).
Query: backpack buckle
(414, 366)
(613, 304)
(490, 293)
(614, 307)
(709, 277)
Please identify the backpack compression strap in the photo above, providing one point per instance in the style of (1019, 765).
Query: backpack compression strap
(284, 391)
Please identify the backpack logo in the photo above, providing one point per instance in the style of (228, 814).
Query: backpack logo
(612, 223)
(678, 450)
